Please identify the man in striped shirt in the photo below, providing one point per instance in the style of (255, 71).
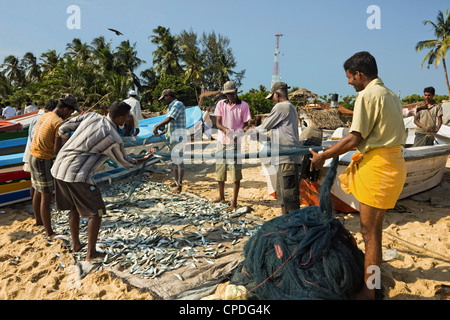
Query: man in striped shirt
(95, 139)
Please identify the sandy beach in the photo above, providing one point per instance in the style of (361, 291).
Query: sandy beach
(35, 268)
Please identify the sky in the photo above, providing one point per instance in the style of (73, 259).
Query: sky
(318, 36)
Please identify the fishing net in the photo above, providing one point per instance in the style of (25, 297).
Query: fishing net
(306, 254)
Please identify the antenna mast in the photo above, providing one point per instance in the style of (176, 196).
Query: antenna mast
(276, 77)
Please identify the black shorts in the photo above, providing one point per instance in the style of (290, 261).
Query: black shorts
(85, 198)
(288, 186)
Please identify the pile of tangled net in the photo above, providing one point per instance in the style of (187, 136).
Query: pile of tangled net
(306, 254)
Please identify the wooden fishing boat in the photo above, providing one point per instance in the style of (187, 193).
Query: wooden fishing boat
(24, 119)
(15, 183)
(18, 126)
(8, 126)
(425, 169)
(12, 146)
(146, 140)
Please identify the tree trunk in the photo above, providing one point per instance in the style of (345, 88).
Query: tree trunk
(446, 76)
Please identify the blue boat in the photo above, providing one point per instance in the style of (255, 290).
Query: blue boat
(11, 163)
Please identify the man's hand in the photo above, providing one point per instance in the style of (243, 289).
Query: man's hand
(317, 160)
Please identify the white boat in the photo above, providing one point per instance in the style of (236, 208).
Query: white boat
(425, 169)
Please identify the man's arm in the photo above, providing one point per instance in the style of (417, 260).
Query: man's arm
(439, 124)
(59, 142)
(220, 126)
(161, 124)
(346, 144)
(418, 123)
(70, 125)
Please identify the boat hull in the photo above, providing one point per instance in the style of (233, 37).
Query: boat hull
(425, 170)
(15, 183)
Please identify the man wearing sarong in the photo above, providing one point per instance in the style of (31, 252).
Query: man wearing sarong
(377, 172)
(45, 144)
(428, 119)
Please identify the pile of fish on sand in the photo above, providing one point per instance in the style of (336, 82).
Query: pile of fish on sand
(155, 231)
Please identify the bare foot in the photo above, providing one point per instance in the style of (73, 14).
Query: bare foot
(176, 190)
(77, 248)
(218, 200)
(96, 256)
(232, 206)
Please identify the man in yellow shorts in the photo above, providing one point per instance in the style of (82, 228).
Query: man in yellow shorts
(377, 172)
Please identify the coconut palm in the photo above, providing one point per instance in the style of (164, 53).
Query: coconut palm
(149, 81)
(13, 70)
(126, 61)
(31, 67)
(166, 57)
(49, 61)
(439, 46)
(78, 50)
(194, 68)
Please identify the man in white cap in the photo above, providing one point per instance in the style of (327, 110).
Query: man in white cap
(135, 112)
(232, 116)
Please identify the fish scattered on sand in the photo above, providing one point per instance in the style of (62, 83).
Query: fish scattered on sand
(154, 231)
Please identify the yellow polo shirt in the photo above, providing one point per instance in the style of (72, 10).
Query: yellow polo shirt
(377, 115)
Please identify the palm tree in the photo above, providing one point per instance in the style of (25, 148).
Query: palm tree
(31, 67)
(49, 61)
(194, 68)
(5, 87)
(166, 57)
(78, 50)
(13, 70)
(224, 65)
(438, 46)
(127, 61)
(101, 54)
(149, 81)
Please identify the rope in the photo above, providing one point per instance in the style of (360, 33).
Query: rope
(265, 153)
(292, 254)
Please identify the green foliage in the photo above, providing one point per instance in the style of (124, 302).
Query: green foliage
(184, 92)
(412, 99)
(417, 98)
(257, 101)
(186, 63)
(440, 45)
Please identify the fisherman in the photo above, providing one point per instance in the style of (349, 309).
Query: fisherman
(30, 106)
(95, 139)
(378, 170)
(50, 105)
(8, 111)
(132, 127)
(45, 144)
(232, 116)
(428, 119)
(283, 121)
(175, 128)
